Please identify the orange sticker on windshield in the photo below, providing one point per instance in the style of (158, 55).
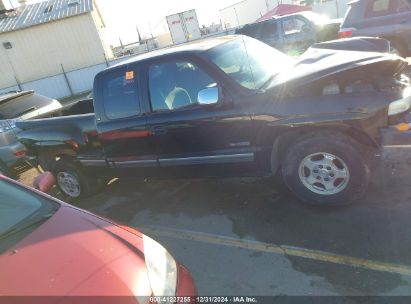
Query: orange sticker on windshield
(130, 75)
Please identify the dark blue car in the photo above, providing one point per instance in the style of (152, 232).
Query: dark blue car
(293, 34)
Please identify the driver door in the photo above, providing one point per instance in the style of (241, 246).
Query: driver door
(190, 138)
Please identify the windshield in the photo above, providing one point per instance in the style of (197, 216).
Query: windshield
(249, 62)
(19, 207)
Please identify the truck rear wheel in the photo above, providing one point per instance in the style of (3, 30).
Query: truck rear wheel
(325, 169)
(72, 181)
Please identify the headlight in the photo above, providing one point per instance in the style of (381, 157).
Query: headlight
(399, 106)
(161, 267)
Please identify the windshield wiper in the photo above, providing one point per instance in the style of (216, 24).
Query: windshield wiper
(30, 224)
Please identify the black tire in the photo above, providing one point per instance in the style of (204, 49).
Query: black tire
(279, 183)
(277, 177)
(398, 48)
(87, 186)
(334, 144)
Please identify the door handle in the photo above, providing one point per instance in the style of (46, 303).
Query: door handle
(158, 130)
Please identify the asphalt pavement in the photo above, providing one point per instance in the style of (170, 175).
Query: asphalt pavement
(247, 237)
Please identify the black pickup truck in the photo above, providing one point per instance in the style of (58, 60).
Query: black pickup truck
(231, 106)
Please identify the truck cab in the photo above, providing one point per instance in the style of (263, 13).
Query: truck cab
(169, 115)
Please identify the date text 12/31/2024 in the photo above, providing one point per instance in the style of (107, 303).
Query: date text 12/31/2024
(200, 299)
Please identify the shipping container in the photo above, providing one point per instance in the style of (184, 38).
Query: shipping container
(184, 26)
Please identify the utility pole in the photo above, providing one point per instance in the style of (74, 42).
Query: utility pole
(236, 15)
(338, 8)
(9, 61)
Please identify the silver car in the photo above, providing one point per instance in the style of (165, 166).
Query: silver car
(16, 106)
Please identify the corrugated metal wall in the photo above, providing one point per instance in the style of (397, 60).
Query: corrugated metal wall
(60, 86)
(5, 90)
(82, 80)
(55, 86)
(41, 51)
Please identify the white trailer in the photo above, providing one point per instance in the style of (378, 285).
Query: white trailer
(184, 26)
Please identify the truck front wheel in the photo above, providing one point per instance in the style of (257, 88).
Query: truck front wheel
(326, 169)
(72, 181)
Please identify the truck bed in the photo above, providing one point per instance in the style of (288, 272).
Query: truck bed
(78, 115)
(84, 122)
(71, 125)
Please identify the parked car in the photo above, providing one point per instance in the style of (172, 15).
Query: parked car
(51, 249)
(389, 19)
(16, 106)
(231, 106)
(293, 34)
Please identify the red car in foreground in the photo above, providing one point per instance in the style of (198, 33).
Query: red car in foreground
(49, 248)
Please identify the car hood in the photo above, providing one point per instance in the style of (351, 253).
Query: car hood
(316, 64)
(76, 254)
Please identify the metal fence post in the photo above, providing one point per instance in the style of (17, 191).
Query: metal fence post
(18, 83)
(67, 80)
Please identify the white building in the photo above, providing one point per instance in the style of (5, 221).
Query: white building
(331, 8)
(41, 40)
(247, 11)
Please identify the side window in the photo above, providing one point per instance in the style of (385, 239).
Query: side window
(270, 30)
(174, 85)
(378, 8)
(294, 26)
(120, 95)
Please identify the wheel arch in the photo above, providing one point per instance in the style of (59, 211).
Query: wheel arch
(281, 143)
(47, 154)
(59, 148)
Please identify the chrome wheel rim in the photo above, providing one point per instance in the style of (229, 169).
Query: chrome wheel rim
(69, 184)
(324, 173)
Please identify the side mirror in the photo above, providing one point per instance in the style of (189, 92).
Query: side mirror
(208, 96)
